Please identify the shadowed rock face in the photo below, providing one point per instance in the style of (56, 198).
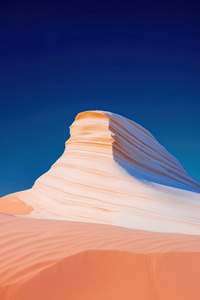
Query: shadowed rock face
(113, 171)
(140, 154)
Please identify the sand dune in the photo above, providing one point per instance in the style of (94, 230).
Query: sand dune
(113, 171)
(116, 217)
(47, 259)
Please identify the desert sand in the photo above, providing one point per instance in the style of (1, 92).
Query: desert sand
(116, 217)
(49, 259)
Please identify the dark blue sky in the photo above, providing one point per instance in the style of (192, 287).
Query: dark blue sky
(140, 60)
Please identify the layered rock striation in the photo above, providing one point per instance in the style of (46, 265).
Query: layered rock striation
(113, 171)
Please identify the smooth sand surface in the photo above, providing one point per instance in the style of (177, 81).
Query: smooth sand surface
(11, 204)
(47, 259)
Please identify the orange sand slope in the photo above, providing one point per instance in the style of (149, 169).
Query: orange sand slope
(14, 206)
(59, 260)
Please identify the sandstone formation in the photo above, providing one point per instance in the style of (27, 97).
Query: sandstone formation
(116, 217)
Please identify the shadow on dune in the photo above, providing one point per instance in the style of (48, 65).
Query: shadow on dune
(130, 158)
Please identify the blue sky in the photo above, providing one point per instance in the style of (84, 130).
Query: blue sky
(59, 58)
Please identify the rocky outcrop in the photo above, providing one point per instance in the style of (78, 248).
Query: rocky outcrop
(113, 171)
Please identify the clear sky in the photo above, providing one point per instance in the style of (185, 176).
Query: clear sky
(140, 60)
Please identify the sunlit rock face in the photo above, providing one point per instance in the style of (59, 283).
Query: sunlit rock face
(113, 171)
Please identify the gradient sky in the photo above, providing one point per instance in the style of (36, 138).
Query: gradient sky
(59, 58)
